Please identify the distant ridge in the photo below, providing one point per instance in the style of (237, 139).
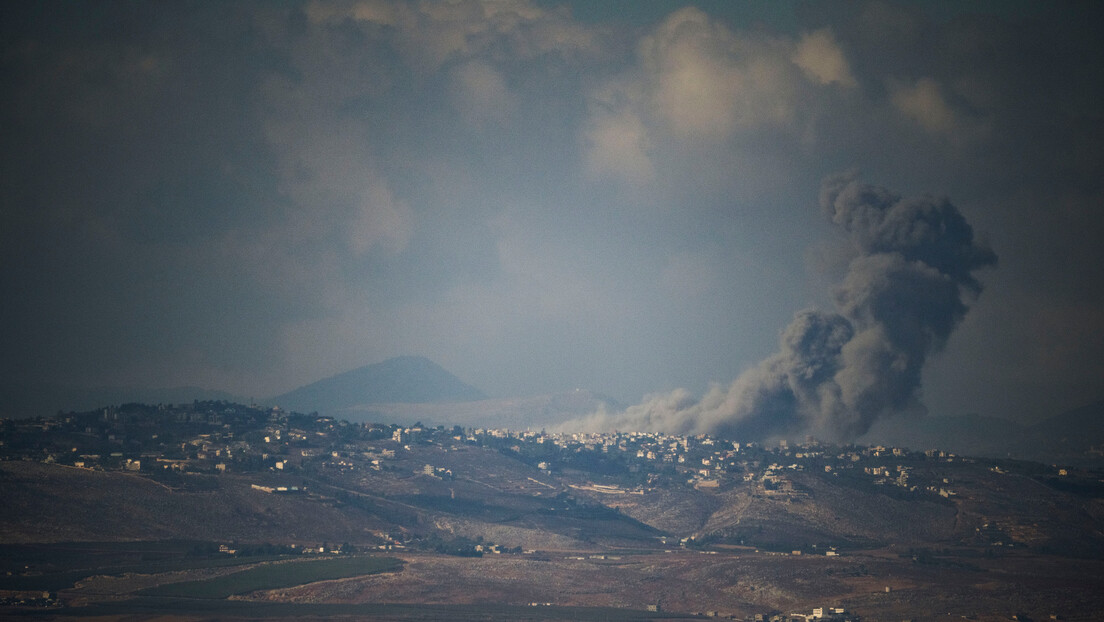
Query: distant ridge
(1078, 432)
(400, 380)
(1074, 437)
(48, 399)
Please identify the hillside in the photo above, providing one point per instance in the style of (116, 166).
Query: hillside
(490, 517)
(404, 379)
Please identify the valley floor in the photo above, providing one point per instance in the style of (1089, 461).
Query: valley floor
(876, 585)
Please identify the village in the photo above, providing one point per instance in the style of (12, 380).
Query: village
(564, 503)
(183, 446)
(216, 437)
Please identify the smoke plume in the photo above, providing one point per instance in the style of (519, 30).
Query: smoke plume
(835, 373)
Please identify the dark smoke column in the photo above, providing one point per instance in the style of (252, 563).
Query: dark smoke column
(837, 372)
(904, 293)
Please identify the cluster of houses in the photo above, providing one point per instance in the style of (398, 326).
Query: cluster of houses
(827, 614)
(214, 437)
(709, 462)
(220, 437)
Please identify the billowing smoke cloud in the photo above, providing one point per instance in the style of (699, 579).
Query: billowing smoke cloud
(835, 373)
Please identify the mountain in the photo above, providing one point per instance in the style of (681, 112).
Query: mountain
(402, 380)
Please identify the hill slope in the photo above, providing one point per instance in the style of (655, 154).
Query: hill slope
(403, 380)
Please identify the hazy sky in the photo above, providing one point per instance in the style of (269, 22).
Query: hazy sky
(538, 196)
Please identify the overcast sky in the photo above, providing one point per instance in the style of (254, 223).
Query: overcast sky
(537, 196)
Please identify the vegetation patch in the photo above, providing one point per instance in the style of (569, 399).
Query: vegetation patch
(276, 576)
(52, 567)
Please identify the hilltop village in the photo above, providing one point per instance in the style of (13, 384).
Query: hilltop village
(219, 437)
(170, 443)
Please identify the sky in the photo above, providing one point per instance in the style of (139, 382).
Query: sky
(644, 199)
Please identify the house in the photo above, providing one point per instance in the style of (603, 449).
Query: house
(830, 613)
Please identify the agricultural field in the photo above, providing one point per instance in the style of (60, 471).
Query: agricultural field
(275, 575)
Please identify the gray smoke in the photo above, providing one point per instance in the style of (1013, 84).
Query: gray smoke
(837, 372)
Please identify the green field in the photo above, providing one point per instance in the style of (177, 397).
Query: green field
(276, 575)
(53, 567)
